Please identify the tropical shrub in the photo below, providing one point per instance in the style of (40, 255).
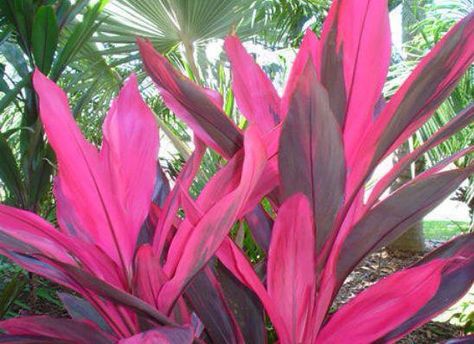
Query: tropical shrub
(155, 265)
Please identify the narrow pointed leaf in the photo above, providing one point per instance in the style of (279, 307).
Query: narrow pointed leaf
(291, 268)
(383, 306)
(464, 118)
(416, 100)
(207, 299)
(392, 216)
(162, 335)
(206, 238)
(191, 103)
(129, 151)
(245, 305)
(236, 262)
(45, 36)
(311, 154)
(253, 90)
(356, 47)
(456, 280)
(309, 50)
(80, 309)
(80, 332)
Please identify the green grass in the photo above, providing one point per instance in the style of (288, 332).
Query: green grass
(444, 230)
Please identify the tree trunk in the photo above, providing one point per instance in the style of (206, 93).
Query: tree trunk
(412, 240)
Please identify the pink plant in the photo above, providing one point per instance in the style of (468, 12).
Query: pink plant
(150, 273)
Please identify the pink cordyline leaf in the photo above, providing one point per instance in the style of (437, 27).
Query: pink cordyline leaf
(309, 51)
(209, 233)
(291, 270)
(456, 280)
(415, 101)
(191, 103)
(385, 305)
(254, 92)
(390, 217)
(235, 261)
(100, 188)
(460, 121)
(355, 54)
(163, 335)
(311, 155)
(129, 151)
(43, 329)
(172, 202)
(144, 260)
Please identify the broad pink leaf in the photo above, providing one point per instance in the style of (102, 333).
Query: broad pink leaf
(309, 50)
(456, 279)
(236, 262)
(389, 218)
(207, 299)
(162, 335)
(383, 306)
(191, 103)
(209, 233)
(416, 100)
(129, 153)
(291, 269)
(457, 123)
(26, 233)
(311, 157)
(85, 182)
(71, 331)
(358, 33)
(34, 232)
(253, 91)
(148, 275)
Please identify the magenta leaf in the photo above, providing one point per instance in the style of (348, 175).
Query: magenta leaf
(392, 216)
(162, 335)
(311, 154)
(291, 267)
(253, 91)
(207, 298)
(384, 305)
(211, 230)
(191, 103)
(456, 280)
(75, 331)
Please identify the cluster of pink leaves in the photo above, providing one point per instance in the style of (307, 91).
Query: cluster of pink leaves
(147, 274)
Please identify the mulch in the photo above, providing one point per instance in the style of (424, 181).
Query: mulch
(381, 264)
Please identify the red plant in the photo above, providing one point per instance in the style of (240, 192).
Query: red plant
(149, 273)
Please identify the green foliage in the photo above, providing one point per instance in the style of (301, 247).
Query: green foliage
(44, 37)
(49, 35)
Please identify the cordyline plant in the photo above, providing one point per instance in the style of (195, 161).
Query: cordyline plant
(154, 265)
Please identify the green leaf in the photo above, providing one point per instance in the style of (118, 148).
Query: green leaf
(3, 85)
(45, 38)
(20, 14)
(10, 96)
(79, 36)
(9, 172)
(14, 55)
(10, 293)
(66, 13)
